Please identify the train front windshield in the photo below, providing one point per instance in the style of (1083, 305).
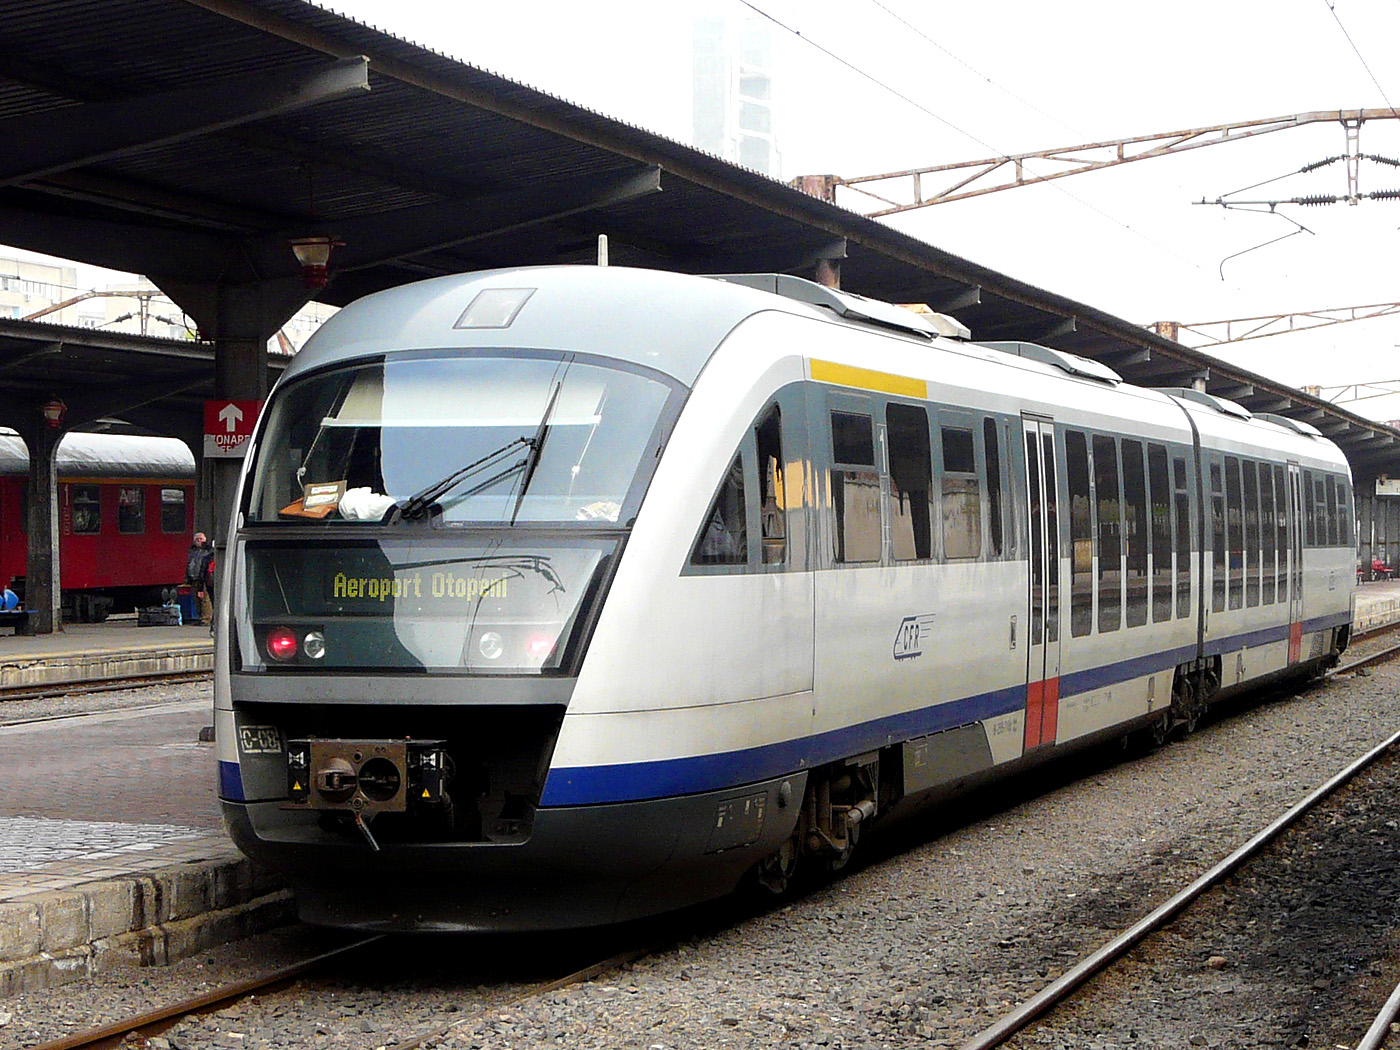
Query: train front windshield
(441, 513)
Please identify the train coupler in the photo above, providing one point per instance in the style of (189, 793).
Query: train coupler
(367, 777)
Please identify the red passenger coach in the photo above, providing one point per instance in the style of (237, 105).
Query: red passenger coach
(125, 519)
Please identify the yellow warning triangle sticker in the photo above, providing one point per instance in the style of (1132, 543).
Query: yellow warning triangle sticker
(425, 793)
(297, 786)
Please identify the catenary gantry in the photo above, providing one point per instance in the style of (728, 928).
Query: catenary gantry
(192, 140)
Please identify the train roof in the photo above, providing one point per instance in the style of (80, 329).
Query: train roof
(667, 321)
(83, 455)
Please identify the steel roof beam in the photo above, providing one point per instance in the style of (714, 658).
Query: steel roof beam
(91, 132)
(374, 240)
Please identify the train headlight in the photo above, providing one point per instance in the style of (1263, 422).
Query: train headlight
(540, 646)
(491, 645)
(282, 643)
(314, 645)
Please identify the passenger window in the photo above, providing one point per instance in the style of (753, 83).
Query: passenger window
(131, 509)
(1281, 511)
(855, 488)
(1268, 534)
(87, 509)
(772, 494)
(1110, 534)
(1135, 527)
(962, 496)
(1161, 533)
(1217, 536)
(1346, 535)
(1183, 538)
(1235, 524)
(724, 540)
(1251, 533)
(995, 509)
(911, 483)
(1081, 535)
(172, 510)
(1310, 512)
(1331, 506)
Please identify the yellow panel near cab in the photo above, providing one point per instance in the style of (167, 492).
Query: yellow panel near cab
(868, 379)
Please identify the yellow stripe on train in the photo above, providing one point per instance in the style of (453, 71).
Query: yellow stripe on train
(868, 379)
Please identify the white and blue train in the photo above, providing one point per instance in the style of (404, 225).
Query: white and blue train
(567, 595)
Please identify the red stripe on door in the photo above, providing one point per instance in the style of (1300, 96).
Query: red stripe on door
(1050, 719)
(1035, 697)
(1295, 642)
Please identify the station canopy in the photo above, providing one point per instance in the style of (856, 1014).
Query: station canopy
(194, 140)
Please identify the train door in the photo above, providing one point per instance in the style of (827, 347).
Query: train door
(1295, 563)
(1043, 650)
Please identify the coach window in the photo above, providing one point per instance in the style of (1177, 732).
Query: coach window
(87, 509)
(995, 507)
(855, 488)
(911, 483)
(1135, 531)
(1182, 496)
(131, 509)
(962, 495)
(1332, 516)
(772, 493)
(1235, 523)
(1161, 504)
(725, 538)
(1310, 509)
(172, 510)
(1281, 536)
(1110, 534)
(1346, 535)
(1081, 535)
(1251, 532)
(1268, 534)
(1217, 536)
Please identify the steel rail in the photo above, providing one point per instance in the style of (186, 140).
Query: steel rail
(1376, 1035)
(99, 685)
(162, 1018)
(1060, 989)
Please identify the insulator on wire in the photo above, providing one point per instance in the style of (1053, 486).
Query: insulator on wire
(1382, 160)
(1319, 164)
(1315, 199)
(1385, 195)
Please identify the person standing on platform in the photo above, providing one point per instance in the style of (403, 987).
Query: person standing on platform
(199, 574)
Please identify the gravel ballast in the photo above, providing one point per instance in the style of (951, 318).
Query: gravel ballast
(947, 925)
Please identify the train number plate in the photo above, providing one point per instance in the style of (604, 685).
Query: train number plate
(259, 740)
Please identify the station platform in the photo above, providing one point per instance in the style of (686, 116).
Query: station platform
(111, 841)
(93, 652)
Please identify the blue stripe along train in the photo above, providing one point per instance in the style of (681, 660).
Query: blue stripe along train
(568, 595)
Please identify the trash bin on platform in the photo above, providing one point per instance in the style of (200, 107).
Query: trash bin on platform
(189, 605)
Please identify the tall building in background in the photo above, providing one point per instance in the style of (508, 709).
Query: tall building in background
(733, 91)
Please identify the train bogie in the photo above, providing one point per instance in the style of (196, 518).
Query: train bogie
(659, 581)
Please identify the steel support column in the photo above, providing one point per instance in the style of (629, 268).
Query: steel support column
(42, 594)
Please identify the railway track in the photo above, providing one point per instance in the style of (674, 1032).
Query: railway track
(99, 685)
(150, 1024)
(1062, 990)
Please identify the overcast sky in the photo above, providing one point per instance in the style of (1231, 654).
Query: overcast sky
(980, 79)
(961, 81)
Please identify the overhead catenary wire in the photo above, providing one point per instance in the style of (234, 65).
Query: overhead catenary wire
(962, 131)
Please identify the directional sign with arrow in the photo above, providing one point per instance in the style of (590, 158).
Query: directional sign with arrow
(227, 427)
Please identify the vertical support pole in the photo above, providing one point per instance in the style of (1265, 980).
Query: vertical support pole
(42, 594)
(240, 373)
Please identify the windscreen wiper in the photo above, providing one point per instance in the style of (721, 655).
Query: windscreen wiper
(420, 501)
(532, 458)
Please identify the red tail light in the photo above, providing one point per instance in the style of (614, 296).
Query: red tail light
(282, 643)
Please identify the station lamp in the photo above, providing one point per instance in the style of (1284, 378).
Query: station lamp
(53, 411)
(314, 255)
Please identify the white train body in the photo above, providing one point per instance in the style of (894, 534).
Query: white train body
(854, 565)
